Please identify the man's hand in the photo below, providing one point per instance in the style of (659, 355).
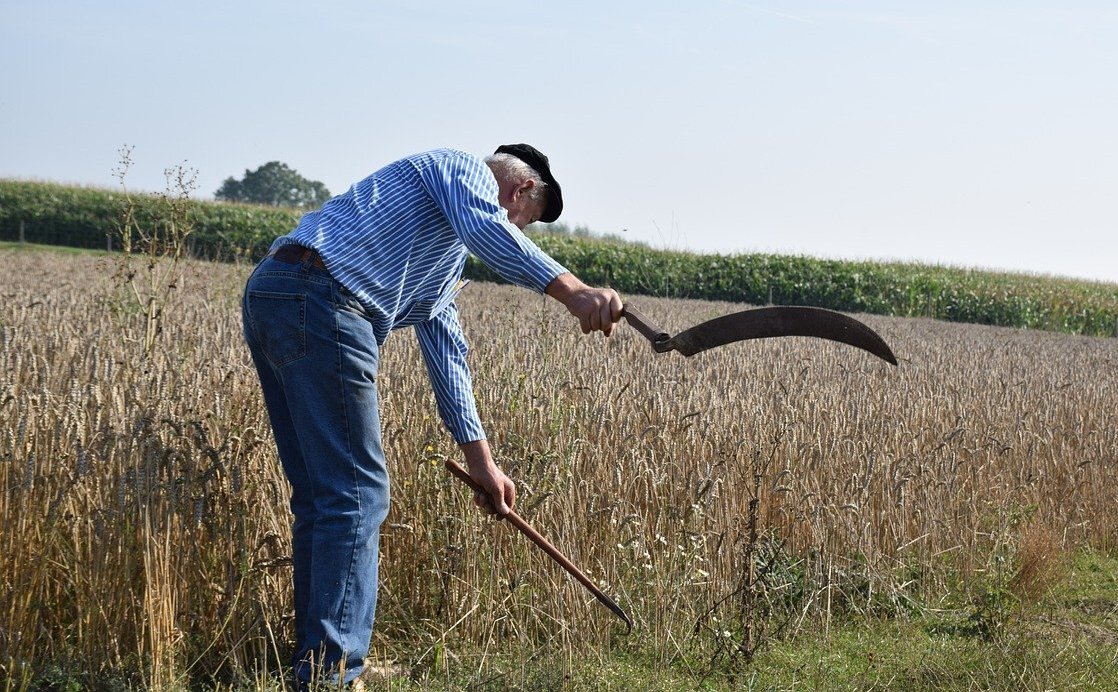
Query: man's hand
(501, 489)
(597, 309)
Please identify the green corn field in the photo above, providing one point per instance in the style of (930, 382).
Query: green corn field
(89, 218)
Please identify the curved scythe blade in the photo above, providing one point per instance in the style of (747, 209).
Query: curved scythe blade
(763, 323)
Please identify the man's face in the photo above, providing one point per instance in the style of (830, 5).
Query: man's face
(522, 209)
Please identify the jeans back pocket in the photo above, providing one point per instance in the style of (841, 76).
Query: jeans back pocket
(279, 325)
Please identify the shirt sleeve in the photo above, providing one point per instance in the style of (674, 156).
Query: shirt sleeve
(444, 351)
(465, 190)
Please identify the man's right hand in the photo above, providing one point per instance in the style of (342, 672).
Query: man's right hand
(501, 491)
(597, 309)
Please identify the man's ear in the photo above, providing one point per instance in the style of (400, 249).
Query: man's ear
(525, 187)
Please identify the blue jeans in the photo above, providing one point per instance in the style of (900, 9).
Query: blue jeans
(315, 353)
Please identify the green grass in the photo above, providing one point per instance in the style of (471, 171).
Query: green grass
(35, 247)
(904, 655)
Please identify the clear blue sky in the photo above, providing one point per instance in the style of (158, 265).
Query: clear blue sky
(967, 133)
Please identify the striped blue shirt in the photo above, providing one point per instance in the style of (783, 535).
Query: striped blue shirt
(398, 241)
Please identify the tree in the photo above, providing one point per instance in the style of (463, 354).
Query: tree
(276, 184)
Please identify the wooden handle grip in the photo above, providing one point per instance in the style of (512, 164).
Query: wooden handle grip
(661, 341)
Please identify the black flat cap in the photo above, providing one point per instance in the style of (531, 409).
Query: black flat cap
(535, 158)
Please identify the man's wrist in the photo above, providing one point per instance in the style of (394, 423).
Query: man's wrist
(564, 286)
(476, 453)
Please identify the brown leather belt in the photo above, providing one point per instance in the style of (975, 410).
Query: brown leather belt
(296, 254)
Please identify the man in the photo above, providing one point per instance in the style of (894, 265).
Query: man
(387, 254)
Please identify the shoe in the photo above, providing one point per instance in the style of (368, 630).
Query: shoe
(376, 676)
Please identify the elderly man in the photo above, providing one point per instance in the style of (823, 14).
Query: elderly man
(387, 254)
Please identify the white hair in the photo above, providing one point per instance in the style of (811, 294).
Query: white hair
(511, 169)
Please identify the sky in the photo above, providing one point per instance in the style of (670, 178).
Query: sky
(974, 134)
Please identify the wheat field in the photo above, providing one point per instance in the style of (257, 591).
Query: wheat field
(723, 499)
